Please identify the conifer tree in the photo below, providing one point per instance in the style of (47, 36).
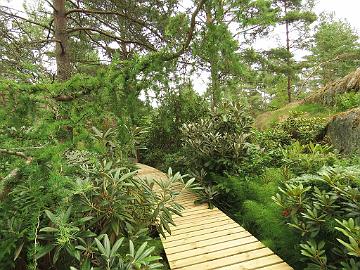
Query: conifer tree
(295, 16)
(335, 51)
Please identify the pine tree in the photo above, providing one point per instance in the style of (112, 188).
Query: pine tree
(295, 16)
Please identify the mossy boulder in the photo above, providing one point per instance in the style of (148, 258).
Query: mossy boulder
(344, 131)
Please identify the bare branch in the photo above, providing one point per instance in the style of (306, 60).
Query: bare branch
(340, 57)
(16, 153)
(51, 5)
(243, 31)
(74, 4)
(90, 36)
(4, 188)
(50, 26)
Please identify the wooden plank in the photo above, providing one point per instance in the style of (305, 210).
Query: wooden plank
(193, 218)
(278, 266)
(207, 242)
(195, 227)
(199, 219)
(213, 248)
(262, 262)
(198, 211)
(228, 260)
(192, 203)
(224, 253)
(203, 237)
(199, 228)
(185, 204)
(186, 201)
(187, 195)
(200, 232)
(192, 207)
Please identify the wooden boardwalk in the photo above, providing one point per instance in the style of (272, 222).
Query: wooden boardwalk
(208, 239)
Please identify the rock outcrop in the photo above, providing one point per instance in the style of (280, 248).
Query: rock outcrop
(344, 131)
(327, 94)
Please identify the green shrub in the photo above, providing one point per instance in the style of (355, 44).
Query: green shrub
(347, 101)
(164, 136)
(324, 209)
(300, 159)
(177, 161)
(299, 127)
(218, 143)
(108, 203)
(296, 130)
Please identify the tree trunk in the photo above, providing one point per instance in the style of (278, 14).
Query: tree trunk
(289, 88)
(288, 59)
(63, 64)
(214, 86)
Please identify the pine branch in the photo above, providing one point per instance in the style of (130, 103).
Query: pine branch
(26, 20)
(116, 13)
(111, 36)
(104, 12)
(190, 33)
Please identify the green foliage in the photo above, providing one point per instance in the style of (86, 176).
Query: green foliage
(335, 52)
(301, 128)
(270, 162)
(53, 157)
(249, 202)
(269, 119)
(163, 142)
(347, 101)
(293, 143)
(297, 127)
(282, 69)
(218, 143)
(106, 198)
(314, 204)
(307, 158)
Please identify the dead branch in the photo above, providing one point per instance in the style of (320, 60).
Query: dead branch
(16, 153)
